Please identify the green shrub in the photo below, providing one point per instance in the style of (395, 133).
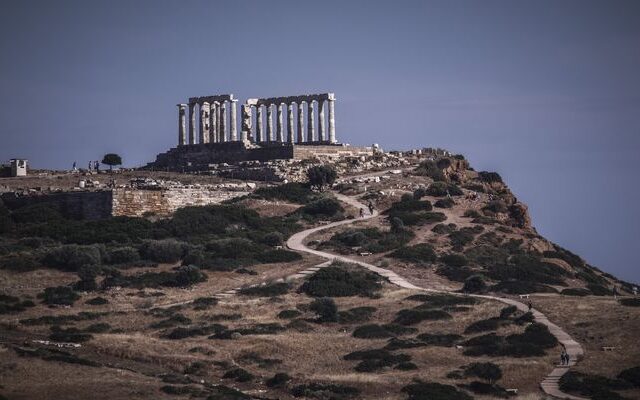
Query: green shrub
(325, 391)
(414, 316)
(508, 311)
(278, 256)
(321, 176)
(289, 314)
(292, 192)
(273, 239)
(357, 314)
(20, 262)
(444, 203)
(122, 255)
(487, 389)
(267, 290)
(72, 257)
(441, 300)
(457, 274)
(410, 204)
(325, 308)
(73, 335)
(474, 284)
(490, 324)
(375, 331)
(496, 206)
(470, 213)
(183, 276)
(521, 287)
(60, 295)
(439, 339)
(599, 290)
(454, 260)
(486, 256)
(324, 207)
(419, 193)
(239, 375)
(630, 302)
(489, 177)
(341, 281)
(441, 189)
(442, 229)
(631, 375)
(535, 334)
(434, 391)
(418, 218)
(162, 251)
(419, 253)
(279, 380)
(460, 238)
(41, 213)
(486, 370)
(406, 366)
(430, 168)
(594, 386)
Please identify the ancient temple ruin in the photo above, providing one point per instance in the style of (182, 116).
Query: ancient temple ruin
(210, 134)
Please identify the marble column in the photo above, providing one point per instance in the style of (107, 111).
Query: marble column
(203, 122)
(234, 122)
(279, 133)
(311, 117)
(223, 121)
(182, 139)
(245, 131)
(213, 122)
(300, 121)
(322, 134)
(290, 132)
(332, 121)
(192, 123)
(269, 137)
(259, 129)
(218, 122)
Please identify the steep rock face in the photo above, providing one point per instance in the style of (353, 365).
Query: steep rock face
(519, 215)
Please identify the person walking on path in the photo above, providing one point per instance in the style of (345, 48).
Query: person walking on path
(530, 306)
(362, 213)
(371, 208)
(563, 357)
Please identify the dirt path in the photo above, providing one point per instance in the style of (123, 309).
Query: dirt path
(549, 385)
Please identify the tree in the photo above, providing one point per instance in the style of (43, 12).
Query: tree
(474, 284)
(321, 176)
(111, 159)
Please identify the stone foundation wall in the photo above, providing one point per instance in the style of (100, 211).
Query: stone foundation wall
(164, 202)
(123, 202)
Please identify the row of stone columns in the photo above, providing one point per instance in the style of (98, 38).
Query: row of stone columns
(260, 134)
(212, 122)
(213, 119)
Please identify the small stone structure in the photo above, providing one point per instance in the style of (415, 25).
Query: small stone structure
(18, 167)
(214, 139)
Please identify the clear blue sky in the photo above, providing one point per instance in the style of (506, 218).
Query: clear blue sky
(545, 92)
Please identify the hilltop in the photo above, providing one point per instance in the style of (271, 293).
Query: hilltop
(211, 302)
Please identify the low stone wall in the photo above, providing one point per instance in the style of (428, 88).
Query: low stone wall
(137, 203)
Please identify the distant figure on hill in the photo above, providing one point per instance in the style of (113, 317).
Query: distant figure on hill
(635, 290)
(90, 167)
(74, 167)
(362, 213)
(563, 357)
(530, 306)
(615, 292)
(371, 208)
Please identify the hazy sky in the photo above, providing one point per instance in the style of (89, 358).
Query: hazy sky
(547, 93)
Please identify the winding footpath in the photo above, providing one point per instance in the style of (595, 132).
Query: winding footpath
(549, 385)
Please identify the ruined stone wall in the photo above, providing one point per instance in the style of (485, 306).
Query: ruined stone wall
(164, 202)
(304, 152)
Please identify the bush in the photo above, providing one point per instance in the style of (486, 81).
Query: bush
(521, 287)
(430, 168)
(341, 281)
(474, 284)
(439, 339)
(273, 239)
(122, 255)
(325, 391)
(418, 218)
(162, 251)
(414, 316)
(444, 203)
(373, 360)
(375, 331)
(419, 253)
(457, 274)
(442, 229)
(460, 238)
(72, 257)
(280, 379)
(72, 335)
(40, 213)
(278, 256)
(434, 391)
(357, 314)
(325, 308)
(454, 260)
(292, 192)
(20, 262)
(321, 176)
(97, 301)
(496, 206)
(630, 302)
(183, 276)
(490, 324)
(409, 204)
(325, 206)
(631, 375)
(406, 366)
(267, 290)
(595, 386)
(507, 311)
(289, 314)
(441, 189)
(60, 295)
(487, 371)
(489, 177)
(599, 290)
(535, 334)
(239, 375)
